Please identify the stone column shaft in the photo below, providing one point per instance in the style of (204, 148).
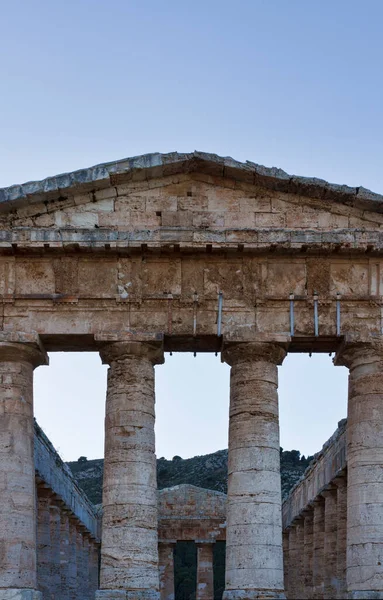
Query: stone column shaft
(72, 571)
(129, 550)
(44, 548)
(166, 569)
(341, 540)
(364, 469)
(299, 559)
(64, 555)
(285, 541)
(330, 544)
(94, 566)
(254, 556)
(18, 571)
(318, 548)
(293, 574)
(308, 536)
(205, 573)
(55, 525)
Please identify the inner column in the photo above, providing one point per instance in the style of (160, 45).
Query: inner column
(129, 548)
(364, 469)
(18, 572)
(254, 556)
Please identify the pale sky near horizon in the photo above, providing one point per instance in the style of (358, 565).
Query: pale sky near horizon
(295, 84)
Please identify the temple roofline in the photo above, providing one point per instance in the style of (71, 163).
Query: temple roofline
(149, 166)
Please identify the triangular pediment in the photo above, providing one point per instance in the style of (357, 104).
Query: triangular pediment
(188, 200)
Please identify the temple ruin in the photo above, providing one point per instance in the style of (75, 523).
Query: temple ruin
(196, 253)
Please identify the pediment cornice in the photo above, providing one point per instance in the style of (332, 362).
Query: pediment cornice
(156, 165)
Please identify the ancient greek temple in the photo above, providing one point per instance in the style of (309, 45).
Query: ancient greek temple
(193, 253)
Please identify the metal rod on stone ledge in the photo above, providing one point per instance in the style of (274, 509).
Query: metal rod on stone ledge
(219, 320)
(291, 314)
(316, 322)
(195, 300)
(338, 314)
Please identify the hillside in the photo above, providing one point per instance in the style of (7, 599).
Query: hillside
(208, 471)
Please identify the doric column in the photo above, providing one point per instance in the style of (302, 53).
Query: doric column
(308, 553)
(55, 523)
(129, 549)
(64, 555)
(293, 573)
(341, 537)
(299, 559)
(330, 543)
(166, 569)
(86, 564)
(205, 573)
(285, 542)
(44, 554)
(72, 574)
(364, 469)
(18, 572)
(254, 556)
(93, 566)
(82, 588)
(318, 548)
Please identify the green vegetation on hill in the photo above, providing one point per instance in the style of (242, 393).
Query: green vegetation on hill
(209, 471)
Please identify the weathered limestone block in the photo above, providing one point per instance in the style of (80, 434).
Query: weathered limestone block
(330, 544)
(254, 557)
(364, 469)
(166, 569)
(17, 475)
(318, 548)
(205, 573)
(129, 551)
(308, 538)
(341, 539)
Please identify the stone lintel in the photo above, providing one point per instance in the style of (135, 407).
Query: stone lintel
(368, 595)
(166, 542)
(204, 542)
(128, 336)
(254, 595)
(20, 594)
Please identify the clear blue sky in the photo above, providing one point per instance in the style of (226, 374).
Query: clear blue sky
(294, 84)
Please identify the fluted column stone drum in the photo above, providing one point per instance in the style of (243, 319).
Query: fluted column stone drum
(18, 570)
(129, 548)
(254, 556)
(364, 469)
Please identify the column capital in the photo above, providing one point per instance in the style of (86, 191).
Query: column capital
(253, 351)
(355, 353)
(120, 351)
(329, 492)
(22, 347)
